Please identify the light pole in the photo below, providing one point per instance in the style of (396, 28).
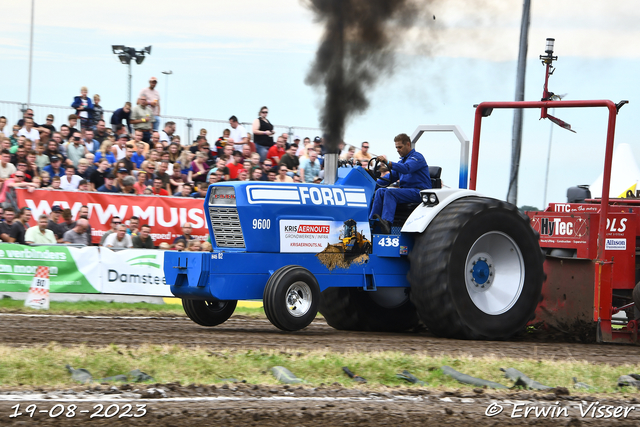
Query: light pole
(126, 54)
(30, 53)
(166, 91)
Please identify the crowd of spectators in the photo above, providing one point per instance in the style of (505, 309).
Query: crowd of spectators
(134, 156)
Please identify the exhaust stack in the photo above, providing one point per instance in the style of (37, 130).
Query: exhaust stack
(330, 168)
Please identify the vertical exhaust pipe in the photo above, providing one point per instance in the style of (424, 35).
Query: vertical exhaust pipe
(330, 168)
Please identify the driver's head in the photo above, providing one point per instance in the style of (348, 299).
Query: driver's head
(403, 144)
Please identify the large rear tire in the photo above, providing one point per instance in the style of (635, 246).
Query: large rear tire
(384, 310)
(291, 298)
(477, 271)
(209, 313)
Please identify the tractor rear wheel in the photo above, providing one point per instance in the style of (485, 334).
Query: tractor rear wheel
(384, 310)
(291, 298)
(208, 313)
(636, 300)
(476, 272)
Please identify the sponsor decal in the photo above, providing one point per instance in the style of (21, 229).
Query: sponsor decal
(615, 244)
(560, 227)
(306, 195)
(304, 236)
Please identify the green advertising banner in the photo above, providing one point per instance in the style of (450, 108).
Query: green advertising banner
(71, 270)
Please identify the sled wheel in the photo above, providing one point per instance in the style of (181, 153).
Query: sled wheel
(208, 313)
(291, 298)
(636, 301)
(476, 272)
(384, 310)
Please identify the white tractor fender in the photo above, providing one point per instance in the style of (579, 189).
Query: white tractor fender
(422, 216)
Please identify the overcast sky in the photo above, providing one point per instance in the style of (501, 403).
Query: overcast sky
(233, 57)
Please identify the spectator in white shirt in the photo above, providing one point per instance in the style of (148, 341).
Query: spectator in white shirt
(29, 132)
(119, 240)
(70, 180)
(6, 167)
(238, 136)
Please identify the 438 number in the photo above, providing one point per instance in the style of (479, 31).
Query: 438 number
(261, 224)
(388, 241)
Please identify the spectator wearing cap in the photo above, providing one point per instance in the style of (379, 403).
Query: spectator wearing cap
(238, 136)
(153, 99)
(119, 115)
(76, 149)
(53, 224)
(243, 175)
(263, 133)
(84, 107)
(143, 240)
(276, 152)
(157, 188)
(120, 239)
(39, 234)
(55, 167)
(6, 167)
(70, 181)
(142, 118)
(122, 173)
(109, 186)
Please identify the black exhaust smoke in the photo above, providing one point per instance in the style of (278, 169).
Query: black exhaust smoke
(357, 48)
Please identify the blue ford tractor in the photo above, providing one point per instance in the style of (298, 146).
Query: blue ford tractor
(465, 265)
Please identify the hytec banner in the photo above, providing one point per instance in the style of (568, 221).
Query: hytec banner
(165, 215)
(71, 270)
(133, 272)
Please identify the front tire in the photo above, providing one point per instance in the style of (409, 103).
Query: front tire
(209, 313)
(291, 298)
(477, 271)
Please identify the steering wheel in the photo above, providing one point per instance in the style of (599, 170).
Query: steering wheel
(374, 169)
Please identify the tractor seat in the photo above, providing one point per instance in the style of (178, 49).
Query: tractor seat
(403, 210)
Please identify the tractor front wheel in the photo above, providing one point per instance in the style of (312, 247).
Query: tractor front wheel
(291, 298)
(476, 272)
(209, 313)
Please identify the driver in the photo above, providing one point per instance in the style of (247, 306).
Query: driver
(412, 174)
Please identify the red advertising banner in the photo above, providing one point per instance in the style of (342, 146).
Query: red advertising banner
(165, 215)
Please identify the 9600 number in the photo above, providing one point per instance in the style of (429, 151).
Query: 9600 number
(261, 224)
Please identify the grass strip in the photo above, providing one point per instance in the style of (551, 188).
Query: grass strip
(104, 308)
(44, 366)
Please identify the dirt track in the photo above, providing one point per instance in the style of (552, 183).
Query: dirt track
(246, 332)
(246, 404)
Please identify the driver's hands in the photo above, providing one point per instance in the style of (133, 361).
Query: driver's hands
(382, 159)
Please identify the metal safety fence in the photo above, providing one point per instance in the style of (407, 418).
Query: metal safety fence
(188, 128)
